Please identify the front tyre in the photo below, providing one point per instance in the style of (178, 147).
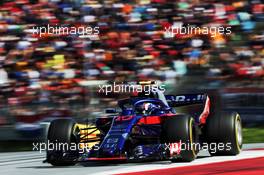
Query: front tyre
(62, 134)
(225, 129)
(181, 129)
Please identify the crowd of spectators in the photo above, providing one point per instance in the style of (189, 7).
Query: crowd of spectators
(131, 45)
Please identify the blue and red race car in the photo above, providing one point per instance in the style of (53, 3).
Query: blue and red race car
(148, 127)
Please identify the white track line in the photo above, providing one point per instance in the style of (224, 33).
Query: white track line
(22, 161)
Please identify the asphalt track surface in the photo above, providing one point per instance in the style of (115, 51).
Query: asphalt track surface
(250, 161)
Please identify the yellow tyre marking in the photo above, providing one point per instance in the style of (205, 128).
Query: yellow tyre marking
(236, 131)
(191, 141)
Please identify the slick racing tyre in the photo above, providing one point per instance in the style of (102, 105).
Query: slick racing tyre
(225, 132)
(181, 129)
(62, 134)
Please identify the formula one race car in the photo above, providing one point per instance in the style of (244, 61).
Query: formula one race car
(148, 127)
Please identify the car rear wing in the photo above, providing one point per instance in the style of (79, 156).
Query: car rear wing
(185, 99)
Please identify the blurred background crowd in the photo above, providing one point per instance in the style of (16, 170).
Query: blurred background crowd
(58, 75)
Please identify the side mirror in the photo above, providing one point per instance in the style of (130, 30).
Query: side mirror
(167, 108)
(110, 111)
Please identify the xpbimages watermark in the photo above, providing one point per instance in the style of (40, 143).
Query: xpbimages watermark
(61, 146)
(81, 31)
(127, 88)
(181, 146)
(213, 31)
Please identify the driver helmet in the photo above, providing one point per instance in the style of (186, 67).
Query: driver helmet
(148, 107)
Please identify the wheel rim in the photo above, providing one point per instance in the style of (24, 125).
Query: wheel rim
(192, 136)
(239, 132)
(76, 134)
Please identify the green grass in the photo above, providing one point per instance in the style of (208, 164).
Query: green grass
(253, 135)
(11, 146)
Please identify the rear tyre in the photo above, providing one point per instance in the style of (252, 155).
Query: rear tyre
(63, 133)
(181, 129)
(225, 132)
